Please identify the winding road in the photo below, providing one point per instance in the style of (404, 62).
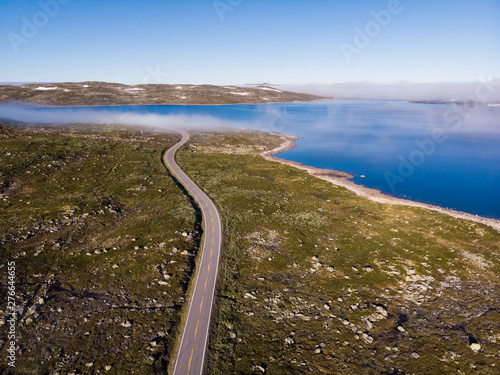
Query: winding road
(191, 355)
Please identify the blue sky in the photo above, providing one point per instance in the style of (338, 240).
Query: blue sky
(248, 41)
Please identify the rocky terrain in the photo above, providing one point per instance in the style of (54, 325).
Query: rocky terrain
(315, 279)
(104, 244)
(103, 93)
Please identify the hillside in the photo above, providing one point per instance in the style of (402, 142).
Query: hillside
(102, 93)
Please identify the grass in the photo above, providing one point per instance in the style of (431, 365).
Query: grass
(313, 279)
(94, 224)
(317, 280)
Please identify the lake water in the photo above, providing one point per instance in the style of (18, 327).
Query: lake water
(440, 154)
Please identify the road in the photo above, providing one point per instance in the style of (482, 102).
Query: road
(191, 355)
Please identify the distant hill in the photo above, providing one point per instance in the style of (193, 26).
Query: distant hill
(103, 93)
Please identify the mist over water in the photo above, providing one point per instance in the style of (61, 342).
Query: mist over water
(486, 90)
(447, 155)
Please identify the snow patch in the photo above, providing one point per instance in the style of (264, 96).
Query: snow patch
(134, 89)
(85, 86)
(46, 88)
(179, 87)
(269, 89)
(240, 93)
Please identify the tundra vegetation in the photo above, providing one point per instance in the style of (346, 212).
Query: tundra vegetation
(104, 243)
(315, 279)
(104, 93)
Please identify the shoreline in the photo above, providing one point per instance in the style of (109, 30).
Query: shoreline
(341, 179)
(41, 105)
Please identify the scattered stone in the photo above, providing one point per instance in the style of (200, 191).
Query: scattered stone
(249, 295)
(126, 324)
(415, 355)
(475, 346)
(289, 341)
(260, 368)
(382, 311)
(367, 338)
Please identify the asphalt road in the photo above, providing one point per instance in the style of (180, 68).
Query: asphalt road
(191, 355)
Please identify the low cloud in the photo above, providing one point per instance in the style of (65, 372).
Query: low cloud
(126, 116)
(404, 90)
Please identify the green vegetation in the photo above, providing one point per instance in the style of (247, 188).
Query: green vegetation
(317, 280)
(104, 245)
(313, 279)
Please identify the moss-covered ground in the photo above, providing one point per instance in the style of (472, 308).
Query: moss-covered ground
(317, 280)
(103, 244)
(313, 278)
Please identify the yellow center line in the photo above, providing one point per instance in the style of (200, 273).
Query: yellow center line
(206, 284)
(208, 266)
(213, 240)
(211, 251)
(190, 359)
(196, 329)
(201, 304)
(212, 218)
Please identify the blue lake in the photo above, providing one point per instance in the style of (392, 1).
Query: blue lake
(441, 154)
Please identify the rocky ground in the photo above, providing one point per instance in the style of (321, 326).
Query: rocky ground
(104, 243)
(315, 279)
(103, 93)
